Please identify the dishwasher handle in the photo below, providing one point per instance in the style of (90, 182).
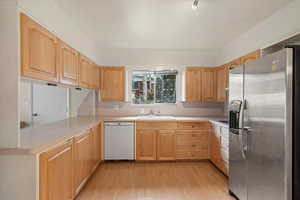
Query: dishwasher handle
(118, 124)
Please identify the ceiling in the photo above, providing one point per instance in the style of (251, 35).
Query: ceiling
(167, 24)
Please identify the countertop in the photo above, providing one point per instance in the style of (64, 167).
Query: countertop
(36, 139)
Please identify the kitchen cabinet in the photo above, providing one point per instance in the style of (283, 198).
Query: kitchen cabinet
(96, 78)
(251, 57)
(96, 145)
(166, 145)
(82, 160)
(68, 64)
(209, 85)
(86, 70)
(193, 84)
(113, 84)
(222, 83)
(146, 145)
(192, 140)
(235, 63)
(56, 173)
(220, 147)
(39, 51)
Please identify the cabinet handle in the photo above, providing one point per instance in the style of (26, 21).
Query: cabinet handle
(82, 139)
(60, 153)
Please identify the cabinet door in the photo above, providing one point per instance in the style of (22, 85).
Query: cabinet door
(96, 146)
(39, 51)
(56, 173)
(86, 69)
(82, 160)
(251, 57)
(146, 145)
(222, 79)
(235, 63)
(68, 64)
(209, 86)
(193, 84)
(113, 84)
(166, 145)
(96, 78)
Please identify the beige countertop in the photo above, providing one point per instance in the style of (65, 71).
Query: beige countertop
(36, 139)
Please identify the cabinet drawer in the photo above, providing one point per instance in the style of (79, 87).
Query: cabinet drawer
(192, 154)
(187, 137)
(192, 147)
(193, 126)
(156, 125)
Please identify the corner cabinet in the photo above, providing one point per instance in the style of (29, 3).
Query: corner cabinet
(39, 50)
(56, 173)
(68, 64)
(113, 84)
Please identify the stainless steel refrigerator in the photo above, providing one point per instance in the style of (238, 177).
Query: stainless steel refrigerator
(263, 122)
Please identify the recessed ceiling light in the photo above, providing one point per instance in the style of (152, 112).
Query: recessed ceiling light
(195, 4)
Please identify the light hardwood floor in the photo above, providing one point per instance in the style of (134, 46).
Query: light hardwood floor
(156, 181)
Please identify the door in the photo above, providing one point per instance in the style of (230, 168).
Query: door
(237, 159)
(265, 96)
(49, 103)
(68, 63)
(113, 84)
(146, 145)
(56, 173)
(119, 141)
(209, 86)
(39, 51)
(82, 160)
(86, 69)
(222, 80)
(193, 84)
(166, 145)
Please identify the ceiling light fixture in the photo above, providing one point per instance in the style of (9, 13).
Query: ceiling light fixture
(195, 4)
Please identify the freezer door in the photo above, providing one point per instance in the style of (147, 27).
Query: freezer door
(237, 162)
(264, 117)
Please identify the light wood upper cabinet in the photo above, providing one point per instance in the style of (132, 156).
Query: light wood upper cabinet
(39, 51)
(193, 84)
(251, 57)
(222, 83)
(209, 85)
(68, 64)
(96, 78)
(86, 69)
(146, 144)
(56, 173)
(82, 160)
(166, 145)
(113, 84)
(234, 63)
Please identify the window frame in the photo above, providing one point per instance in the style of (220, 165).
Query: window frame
(130, 72)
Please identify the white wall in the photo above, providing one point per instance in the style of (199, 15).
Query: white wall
(281, 25)
(9, 76)
(48, 14)
(142, 57)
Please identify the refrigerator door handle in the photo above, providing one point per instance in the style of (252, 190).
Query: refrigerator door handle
(241, 130)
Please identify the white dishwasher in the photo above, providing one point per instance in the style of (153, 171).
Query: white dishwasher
(119, 140)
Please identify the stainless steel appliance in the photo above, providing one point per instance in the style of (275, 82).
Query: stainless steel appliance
(119, 141)
(263, 121)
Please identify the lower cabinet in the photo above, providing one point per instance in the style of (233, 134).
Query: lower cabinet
(65, 168)
(146, 144)
(56, 173)
(166, 145)
(219, 147)
(82, 160)
(176, 141)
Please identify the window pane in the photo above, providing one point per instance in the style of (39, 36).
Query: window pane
(143, 88)
(165, 88)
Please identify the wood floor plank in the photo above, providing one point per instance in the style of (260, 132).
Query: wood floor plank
(156, 181)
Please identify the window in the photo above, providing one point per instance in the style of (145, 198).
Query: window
(153, 87)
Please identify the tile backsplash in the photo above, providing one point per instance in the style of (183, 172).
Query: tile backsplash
(180, 109)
